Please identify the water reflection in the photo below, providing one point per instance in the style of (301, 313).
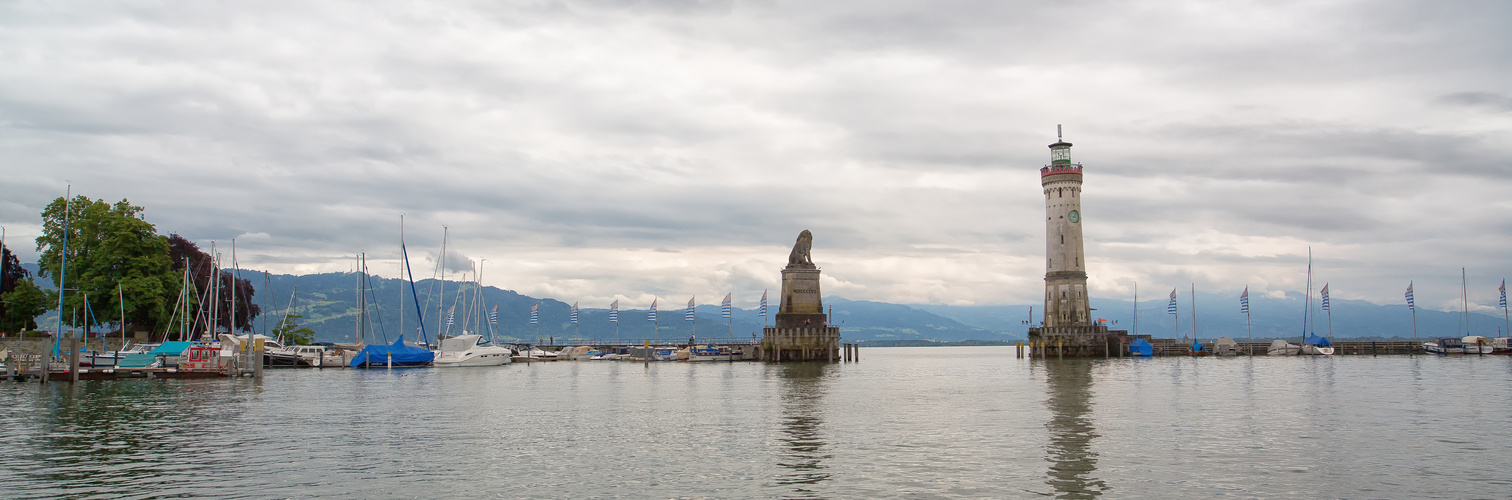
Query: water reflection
(1068, 387)
(803, 447)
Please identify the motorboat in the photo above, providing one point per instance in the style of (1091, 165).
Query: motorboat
(471, 350)
(1475, 344)
(710, 353)
(1501, 345)
(274, 352)
(320, 356)
(1280, 347)
(664, 354)
(1445, 345)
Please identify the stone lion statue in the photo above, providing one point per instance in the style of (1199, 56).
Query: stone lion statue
(800, 255)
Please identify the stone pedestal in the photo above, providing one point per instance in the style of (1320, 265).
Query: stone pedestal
(801, 306)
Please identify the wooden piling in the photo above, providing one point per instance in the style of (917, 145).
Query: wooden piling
(73, 359)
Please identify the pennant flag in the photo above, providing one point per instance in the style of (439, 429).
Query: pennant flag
(1409, 297)
(724, 307)
(1503, 290)
(689, 315)
(1171, 308)
(450, 315)
(1325, 296)
(574, 313)
(1244, 301)
(763, 304)
(651, 316)
(493, 316)
(534, 319)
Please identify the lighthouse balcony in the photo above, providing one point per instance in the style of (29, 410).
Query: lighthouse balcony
(1060, 169)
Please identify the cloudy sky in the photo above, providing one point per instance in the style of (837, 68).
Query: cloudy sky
(599, 150)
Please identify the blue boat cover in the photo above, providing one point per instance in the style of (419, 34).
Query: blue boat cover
(403, 355)
(1197, 346)
(1141, 347)
(1314, 339)
(171, 348)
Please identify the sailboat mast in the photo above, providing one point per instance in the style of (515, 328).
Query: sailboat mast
(1194, 312)
(1136, 310)
(1465, 303)
(357, 301)
(121, 297)
(441, 292)
(62, 274)
(402, 263)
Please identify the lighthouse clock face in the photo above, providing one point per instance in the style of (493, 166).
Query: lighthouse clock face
(1074, 216)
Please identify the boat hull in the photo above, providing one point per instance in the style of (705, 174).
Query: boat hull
(1317, 350)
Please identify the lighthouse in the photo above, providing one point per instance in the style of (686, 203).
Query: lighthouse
(1068, 328)
(1065, 261)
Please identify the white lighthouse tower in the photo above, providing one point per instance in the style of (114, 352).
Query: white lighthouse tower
(1065, 262)
(1068, 328)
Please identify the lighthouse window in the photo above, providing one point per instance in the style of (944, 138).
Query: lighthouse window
(1060, 193)
(1063, 239)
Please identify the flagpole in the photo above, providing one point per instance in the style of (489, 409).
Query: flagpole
(1330, 316)
(1504, 308)
(1413, 308)
(1248, 331)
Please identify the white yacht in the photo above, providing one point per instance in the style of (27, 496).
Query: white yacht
(471, 350)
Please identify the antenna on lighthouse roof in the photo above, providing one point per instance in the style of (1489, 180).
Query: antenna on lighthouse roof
(1058, 133)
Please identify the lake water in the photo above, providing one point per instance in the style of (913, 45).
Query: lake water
(971, 422)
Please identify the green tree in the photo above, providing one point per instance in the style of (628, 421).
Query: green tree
(23, 303)
(109, 246)
(290, 330)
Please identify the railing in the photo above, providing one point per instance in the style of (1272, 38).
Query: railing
(1061, 169)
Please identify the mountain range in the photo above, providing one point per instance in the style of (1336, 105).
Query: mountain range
(328, 304)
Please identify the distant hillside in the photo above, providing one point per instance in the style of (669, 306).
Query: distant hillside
(1219, 316)
(328, 303)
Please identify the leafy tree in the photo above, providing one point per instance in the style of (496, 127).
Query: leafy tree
(289, 328)
(109, 246)
(23, 303)
(202, 273)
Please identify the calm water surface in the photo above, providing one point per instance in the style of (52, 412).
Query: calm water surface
(969, 422)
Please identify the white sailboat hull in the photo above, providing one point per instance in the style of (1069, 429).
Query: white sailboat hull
(1314, 350)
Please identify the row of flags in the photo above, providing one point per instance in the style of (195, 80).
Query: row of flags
(1411, 303)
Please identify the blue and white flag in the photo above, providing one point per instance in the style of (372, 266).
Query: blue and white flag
(493, 316)
(1171, 308)
(534, 319)
(724, 307)
(1244, 301)
(1325, 296)
(1410, 305)
(763, 305)
(651, 316)
(688, 316)
(614, 312)
(1503, 290)
(573, 317)
(451, 314)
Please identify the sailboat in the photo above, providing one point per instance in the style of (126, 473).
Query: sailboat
(1312, 344)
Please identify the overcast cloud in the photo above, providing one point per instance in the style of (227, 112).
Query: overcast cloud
(588, 151)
